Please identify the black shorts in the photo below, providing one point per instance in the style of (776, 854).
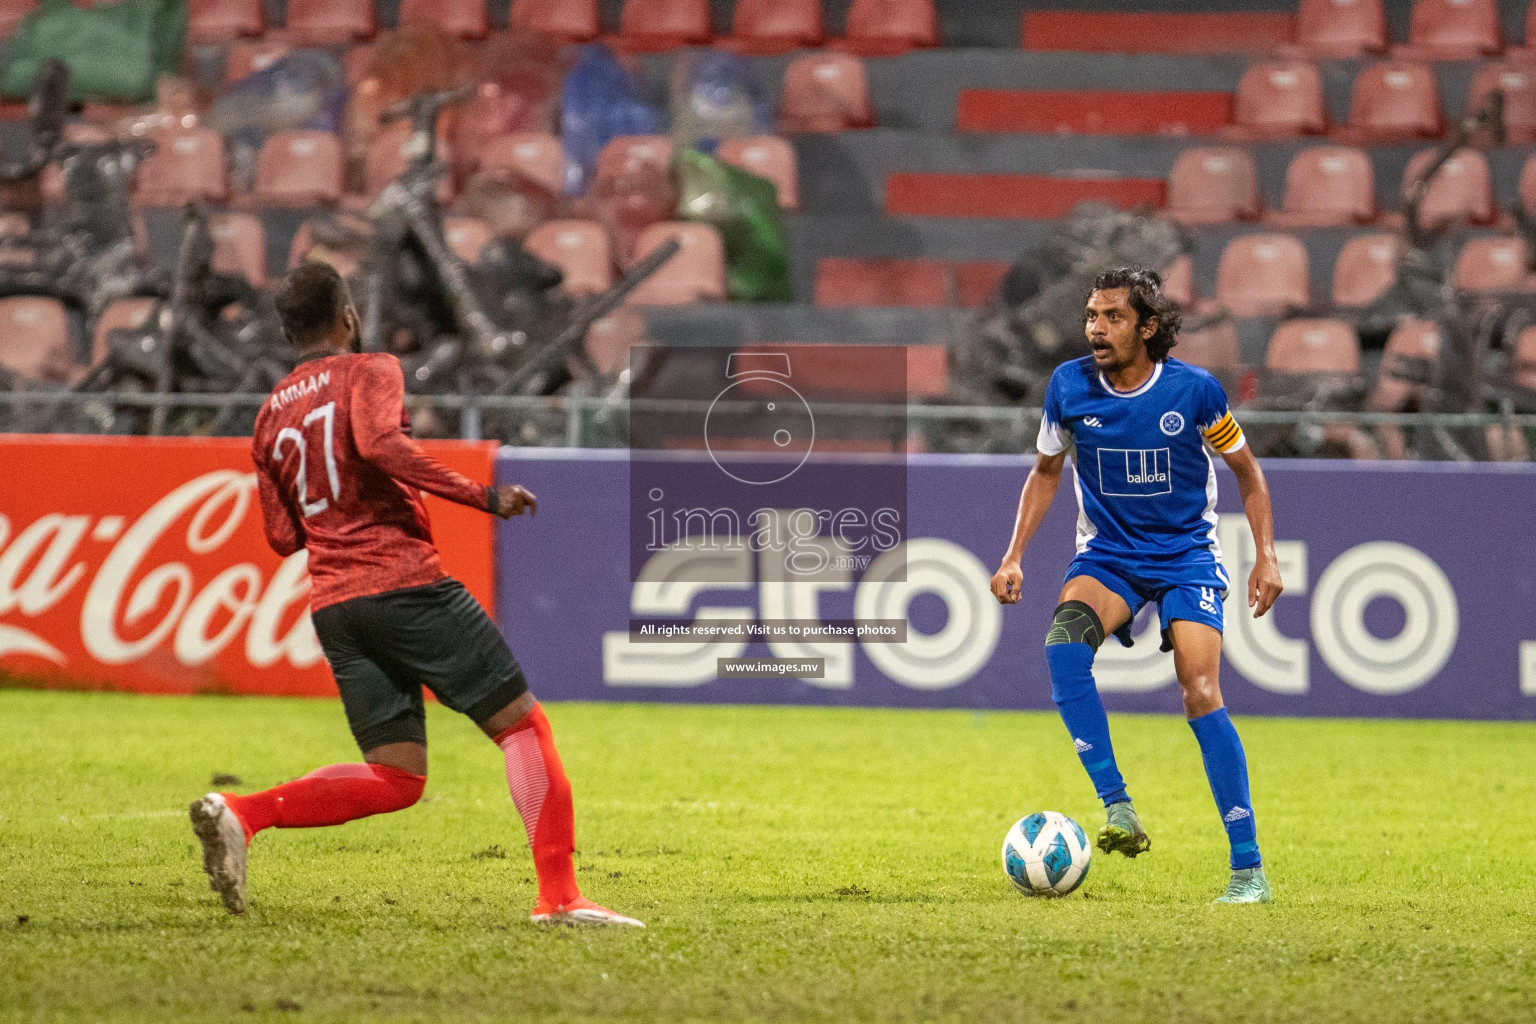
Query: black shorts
(383, 649)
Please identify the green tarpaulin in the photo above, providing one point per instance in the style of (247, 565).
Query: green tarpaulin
(115, 51)
(745, 209)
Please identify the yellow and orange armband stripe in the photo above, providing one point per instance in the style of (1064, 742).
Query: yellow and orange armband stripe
(1225, 435)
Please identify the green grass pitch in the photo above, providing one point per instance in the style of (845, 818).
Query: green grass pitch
(793, 865)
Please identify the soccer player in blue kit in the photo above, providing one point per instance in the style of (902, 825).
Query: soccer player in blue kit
(1138, 425)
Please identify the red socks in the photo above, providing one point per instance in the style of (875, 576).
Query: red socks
(328, 796)
(542, 794)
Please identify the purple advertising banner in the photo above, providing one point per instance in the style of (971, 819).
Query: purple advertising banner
(1409, 590)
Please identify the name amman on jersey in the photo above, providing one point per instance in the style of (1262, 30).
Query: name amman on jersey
(307, 386)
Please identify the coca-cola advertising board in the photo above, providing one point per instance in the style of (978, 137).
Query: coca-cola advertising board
(140, 564)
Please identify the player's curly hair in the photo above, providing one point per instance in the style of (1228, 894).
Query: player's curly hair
(1149, 302)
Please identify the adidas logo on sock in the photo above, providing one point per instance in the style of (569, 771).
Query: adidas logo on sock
(1082, 747)
(1236, 814)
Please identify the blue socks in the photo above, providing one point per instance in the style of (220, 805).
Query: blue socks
(1083, 712)
(1227, 770)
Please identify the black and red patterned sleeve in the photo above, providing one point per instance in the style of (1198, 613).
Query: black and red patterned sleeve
(378, 394)
(285, 533)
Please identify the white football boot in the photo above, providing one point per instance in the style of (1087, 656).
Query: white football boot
(223, 839)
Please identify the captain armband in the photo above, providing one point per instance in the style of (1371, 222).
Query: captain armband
(1224, 435)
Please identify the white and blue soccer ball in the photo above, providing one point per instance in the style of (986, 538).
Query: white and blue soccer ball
(1046, 854)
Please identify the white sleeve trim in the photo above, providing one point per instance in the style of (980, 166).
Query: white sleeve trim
(1052, 439)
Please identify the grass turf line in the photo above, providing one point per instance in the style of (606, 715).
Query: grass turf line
(793, 864)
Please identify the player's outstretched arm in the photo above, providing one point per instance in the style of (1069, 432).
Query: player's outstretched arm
(1034, 501)
(378, 395)
(1264, 582)
(284, 530)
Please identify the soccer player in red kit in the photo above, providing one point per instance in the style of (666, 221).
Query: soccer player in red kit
(338, 474)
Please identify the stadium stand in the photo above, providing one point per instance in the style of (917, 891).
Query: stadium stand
(1279, 99)
(1366, 267)
(321, 22)
(581, 250)
(219, 20)
(300, 169)
(664, 24)
(1455, 29)
(1327, 186)
(1494, 265)
(570, 20)
(776, 26)
(1214, 185)
(1341, 28)
(767, 157)
(1462, 191)
(1395, 101)
(1263, 275)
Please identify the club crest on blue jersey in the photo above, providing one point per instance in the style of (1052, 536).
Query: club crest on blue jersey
(1171, 423)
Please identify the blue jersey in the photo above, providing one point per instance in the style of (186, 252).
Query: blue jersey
(1146, 487)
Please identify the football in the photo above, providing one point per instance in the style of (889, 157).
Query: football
(1046, 854)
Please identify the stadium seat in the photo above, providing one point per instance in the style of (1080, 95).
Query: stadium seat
(239, 246)
(189, 164)
(388, 155)
(1366, 267)
(1313, 345)
(1395, 101)
(1461, 191)
(1178, 281)
(767, 157)
(304, 247)
(774, 26)
(36, 333)
(1341, 28)
(695, 274)
(1328, 186)
(1263, 275)
(1279, 99)
(1454, 29)
(323, 22)
(247, 56)
(1212, 185)
(849, 282)
(664, 24)
(609, 340)
(825, 92)
(581, 250)
(1518, 84)
(1214, 347)
(466, 236)
(213, 21)
(461, 19)
(883, 27)
(537, 156)
(11, 13)
(1525, 359)
(571, 20)
(1499, 264)
(120, 313)
(1406, 378)
(655, 150)
(299, 169)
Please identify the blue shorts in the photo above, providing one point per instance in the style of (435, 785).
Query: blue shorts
(1182, 590)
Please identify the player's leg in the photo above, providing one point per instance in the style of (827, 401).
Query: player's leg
(1197, 660)
(1088, 611)
(473, 672)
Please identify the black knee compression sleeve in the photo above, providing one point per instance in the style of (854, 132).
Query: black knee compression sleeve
(1075, 623)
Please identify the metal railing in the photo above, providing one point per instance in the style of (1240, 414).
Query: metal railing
(575, 416)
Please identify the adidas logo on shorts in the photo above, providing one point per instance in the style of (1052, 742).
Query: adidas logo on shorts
(1081, 746)
(1236, 814)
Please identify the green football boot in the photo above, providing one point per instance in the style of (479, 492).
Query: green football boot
(1248, 885)
(1123, 833)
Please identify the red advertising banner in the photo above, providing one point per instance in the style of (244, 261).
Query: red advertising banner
(140, 564)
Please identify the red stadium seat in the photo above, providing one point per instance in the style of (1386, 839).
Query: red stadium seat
(239, 246)
(609, 340)
(1326, 186)
(1518, 84)
(1406, 378)
(247, 56)
(534, 155)
(1395, 101)
(36, 333)
(655, 150)
(695, 274)
(466, 236)
(664, 24)
(188, 164)
(1366, 267)
(388, 155)
(879, 282)
(1461, 191)
(581, 250)
(1212, 185)
(1525, 359)
(299, 169)
(1278, 99)
(1494, 265)
(461, 19)
(213, 21)
(891, 26)
(1178, 281)
(1450, 29)
(767, 157)
(773, 26)
(1263, 275)
(1313, 346)
(322, 22)
(825, 92)
(120, 313)
(1341, 28)
(573, 20)
(11, 13)
(1213, 348)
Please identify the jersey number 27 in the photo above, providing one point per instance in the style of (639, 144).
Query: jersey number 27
(327, 414)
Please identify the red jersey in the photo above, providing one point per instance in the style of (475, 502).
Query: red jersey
(338, 474)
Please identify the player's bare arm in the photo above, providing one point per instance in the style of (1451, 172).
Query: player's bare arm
(1264, 584)
(510, 500)
(1034, 502)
